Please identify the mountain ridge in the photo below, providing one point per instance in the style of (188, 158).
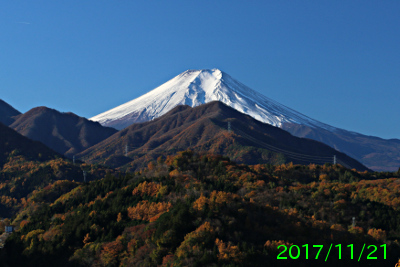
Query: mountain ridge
(196, 87)
(13, 144)
(66, 133)
(377, 153)
(204, 129)
(7, 113)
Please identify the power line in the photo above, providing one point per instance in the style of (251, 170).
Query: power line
(293, 155)
(286, 152)
(343, 164)
(297, 156)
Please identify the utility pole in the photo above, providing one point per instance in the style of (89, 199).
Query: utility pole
(84, 176)
(334, 159)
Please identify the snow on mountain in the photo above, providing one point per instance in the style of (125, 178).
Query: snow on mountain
(196, 87)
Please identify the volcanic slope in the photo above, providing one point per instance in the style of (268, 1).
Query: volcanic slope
(204, 129)
(197, 87)
(66, 133)
(7, 112)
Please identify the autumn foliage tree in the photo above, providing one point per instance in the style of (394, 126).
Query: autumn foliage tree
(148, 211)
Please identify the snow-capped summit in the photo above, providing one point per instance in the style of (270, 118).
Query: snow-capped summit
(196, 87)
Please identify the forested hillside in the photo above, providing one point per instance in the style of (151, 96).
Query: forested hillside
(27, 165)
(204, 129)
(204, 210)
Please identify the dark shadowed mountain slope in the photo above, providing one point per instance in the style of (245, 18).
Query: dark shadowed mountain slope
(7, 113)
(204, 129)
(14, 144)
(66, 133)
(376, 153)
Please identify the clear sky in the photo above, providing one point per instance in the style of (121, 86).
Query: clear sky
(335, 61)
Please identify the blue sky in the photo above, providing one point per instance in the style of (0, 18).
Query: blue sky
(335, 61)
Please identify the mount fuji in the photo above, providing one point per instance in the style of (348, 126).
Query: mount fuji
(197, 87)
